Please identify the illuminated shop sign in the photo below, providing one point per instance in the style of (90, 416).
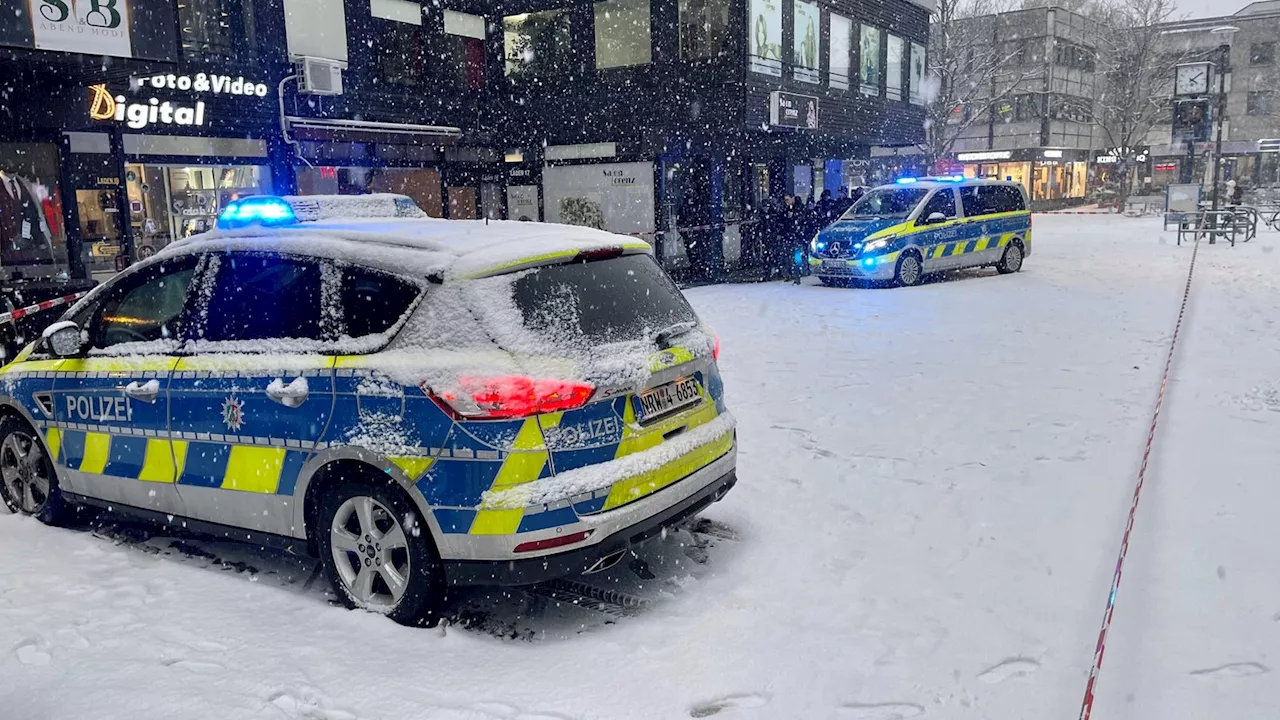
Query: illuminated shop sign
(181, 104)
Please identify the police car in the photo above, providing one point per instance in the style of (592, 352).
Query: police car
(421, 403)
(918, 226)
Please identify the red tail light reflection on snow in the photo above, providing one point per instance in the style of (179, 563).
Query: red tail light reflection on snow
(569, 539)
(715, 349)
(515, 396)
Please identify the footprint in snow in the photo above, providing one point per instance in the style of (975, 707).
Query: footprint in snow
(1232, 670)
(194, 665)
(880, 711)
(730, 702)
(1008, 668)
(29, 653)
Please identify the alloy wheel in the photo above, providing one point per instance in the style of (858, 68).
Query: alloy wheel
(371, 552)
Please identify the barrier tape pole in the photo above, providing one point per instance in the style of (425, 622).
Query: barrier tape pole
(1086, 707)
(22, 312)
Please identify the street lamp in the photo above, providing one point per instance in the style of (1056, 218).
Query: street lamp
(1224, 60)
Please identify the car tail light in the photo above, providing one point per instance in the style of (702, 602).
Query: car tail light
(514, 396)
(569, 539)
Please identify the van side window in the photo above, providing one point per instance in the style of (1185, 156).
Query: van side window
(971, 202)
(1001, 199)
(943, 201)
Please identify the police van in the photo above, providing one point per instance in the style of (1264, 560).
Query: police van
(919, 226)
(421, 403)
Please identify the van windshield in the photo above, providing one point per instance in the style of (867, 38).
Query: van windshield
(887, 203)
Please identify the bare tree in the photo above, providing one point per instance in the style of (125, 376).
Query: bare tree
(968, 72)
(1137, 67)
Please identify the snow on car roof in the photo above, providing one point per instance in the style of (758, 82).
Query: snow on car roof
(420, 246)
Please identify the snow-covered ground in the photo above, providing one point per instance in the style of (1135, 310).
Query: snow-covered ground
(933, 486)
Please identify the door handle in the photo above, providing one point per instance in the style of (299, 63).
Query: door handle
(291, 395)
(146, 392)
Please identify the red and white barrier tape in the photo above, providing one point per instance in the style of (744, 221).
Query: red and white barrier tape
(38, 307)
(1077, 212)
(691, 228)
(1086, 708)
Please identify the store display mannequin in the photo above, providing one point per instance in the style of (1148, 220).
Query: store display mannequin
(24, 231)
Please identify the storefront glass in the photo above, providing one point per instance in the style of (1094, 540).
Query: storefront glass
(170, 202)
(1057, 180)
(31, 231)
(1016, 171)
(421, 184)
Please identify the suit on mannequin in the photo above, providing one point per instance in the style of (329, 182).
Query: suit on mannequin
(25, 237)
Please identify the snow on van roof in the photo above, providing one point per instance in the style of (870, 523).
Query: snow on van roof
(421, 245)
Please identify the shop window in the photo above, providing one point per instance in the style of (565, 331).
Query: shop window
(622, 33)
(31, 231)
(397, 43)
(170, 202)
(894, 67)
(805, 48)
(537, 44)
(216, 29)
(421, 184)
(704, 27)
(1260, 103)
(841, 50)
(1263, 53)
(869, 60)
(464, 36)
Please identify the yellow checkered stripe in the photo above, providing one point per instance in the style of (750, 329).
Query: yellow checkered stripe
(968, 246)
(529, 455)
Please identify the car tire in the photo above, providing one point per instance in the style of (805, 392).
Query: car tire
(378, 552)
(28, 481)
(909, 270)
(1011, 260)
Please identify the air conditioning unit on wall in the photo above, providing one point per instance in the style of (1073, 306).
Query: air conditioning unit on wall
(321, 76)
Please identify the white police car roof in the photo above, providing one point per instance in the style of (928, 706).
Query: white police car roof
(946, 181)
(377, 230)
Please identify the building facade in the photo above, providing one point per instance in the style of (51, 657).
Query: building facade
(1251, 125)
(1038, 130)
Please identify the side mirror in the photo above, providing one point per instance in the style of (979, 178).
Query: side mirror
(63, 338)
(935, 218)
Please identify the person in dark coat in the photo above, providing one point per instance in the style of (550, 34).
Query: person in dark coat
(693, 214)
(827, 212)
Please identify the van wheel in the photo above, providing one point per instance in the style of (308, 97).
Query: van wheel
(28, 482)
(1011, 260)
(908, 270)
(378, 553)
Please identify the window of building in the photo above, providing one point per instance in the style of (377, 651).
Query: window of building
(216, 28)
(31, 231)
(869, 60)
(1077, 57)
(893, 67)
(464, 39)
(806, 48)
(704, 28)
(396, 32)
(622, 33)
(1070, 107)
(537, 44)
(1263, 53)
(841, 49)
(171, 202)
(1260, 103)
(918, 70)
(1026, 107)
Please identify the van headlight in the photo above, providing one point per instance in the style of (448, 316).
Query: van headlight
(816, 244)
(875, 245)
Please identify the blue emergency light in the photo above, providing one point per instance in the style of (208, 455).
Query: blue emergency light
(905, 180)
(263, 210)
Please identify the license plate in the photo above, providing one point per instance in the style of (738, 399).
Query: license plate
(835, 266)
(664, 399)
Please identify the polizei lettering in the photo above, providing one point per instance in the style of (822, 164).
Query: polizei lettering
(100, 408)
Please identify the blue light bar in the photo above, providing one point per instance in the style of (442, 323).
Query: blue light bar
(905, 180)
(263, 210)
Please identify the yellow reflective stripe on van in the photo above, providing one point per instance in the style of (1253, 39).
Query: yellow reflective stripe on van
(904, 227)
(253, 469)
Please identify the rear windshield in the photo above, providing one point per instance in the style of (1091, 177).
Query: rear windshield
(624, 298)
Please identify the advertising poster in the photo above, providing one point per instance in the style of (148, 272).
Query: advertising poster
(869, 60)
(893, 68)
(617, 197)
(764, 37)
(804, 56)
(522, 203)
(93, 27)
(917, 73)
(841, 51)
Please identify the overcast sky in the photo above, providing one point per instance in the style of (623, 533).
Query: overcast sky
(1210, 8)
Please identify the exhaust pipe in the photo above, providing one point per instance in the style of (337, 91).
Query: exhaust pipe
(605, 562)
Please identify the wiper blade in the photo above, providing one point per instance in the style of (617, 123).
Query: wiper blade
(665, 334)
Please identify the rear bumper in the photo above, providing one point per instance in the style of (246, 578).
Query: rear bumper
(526, 571)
